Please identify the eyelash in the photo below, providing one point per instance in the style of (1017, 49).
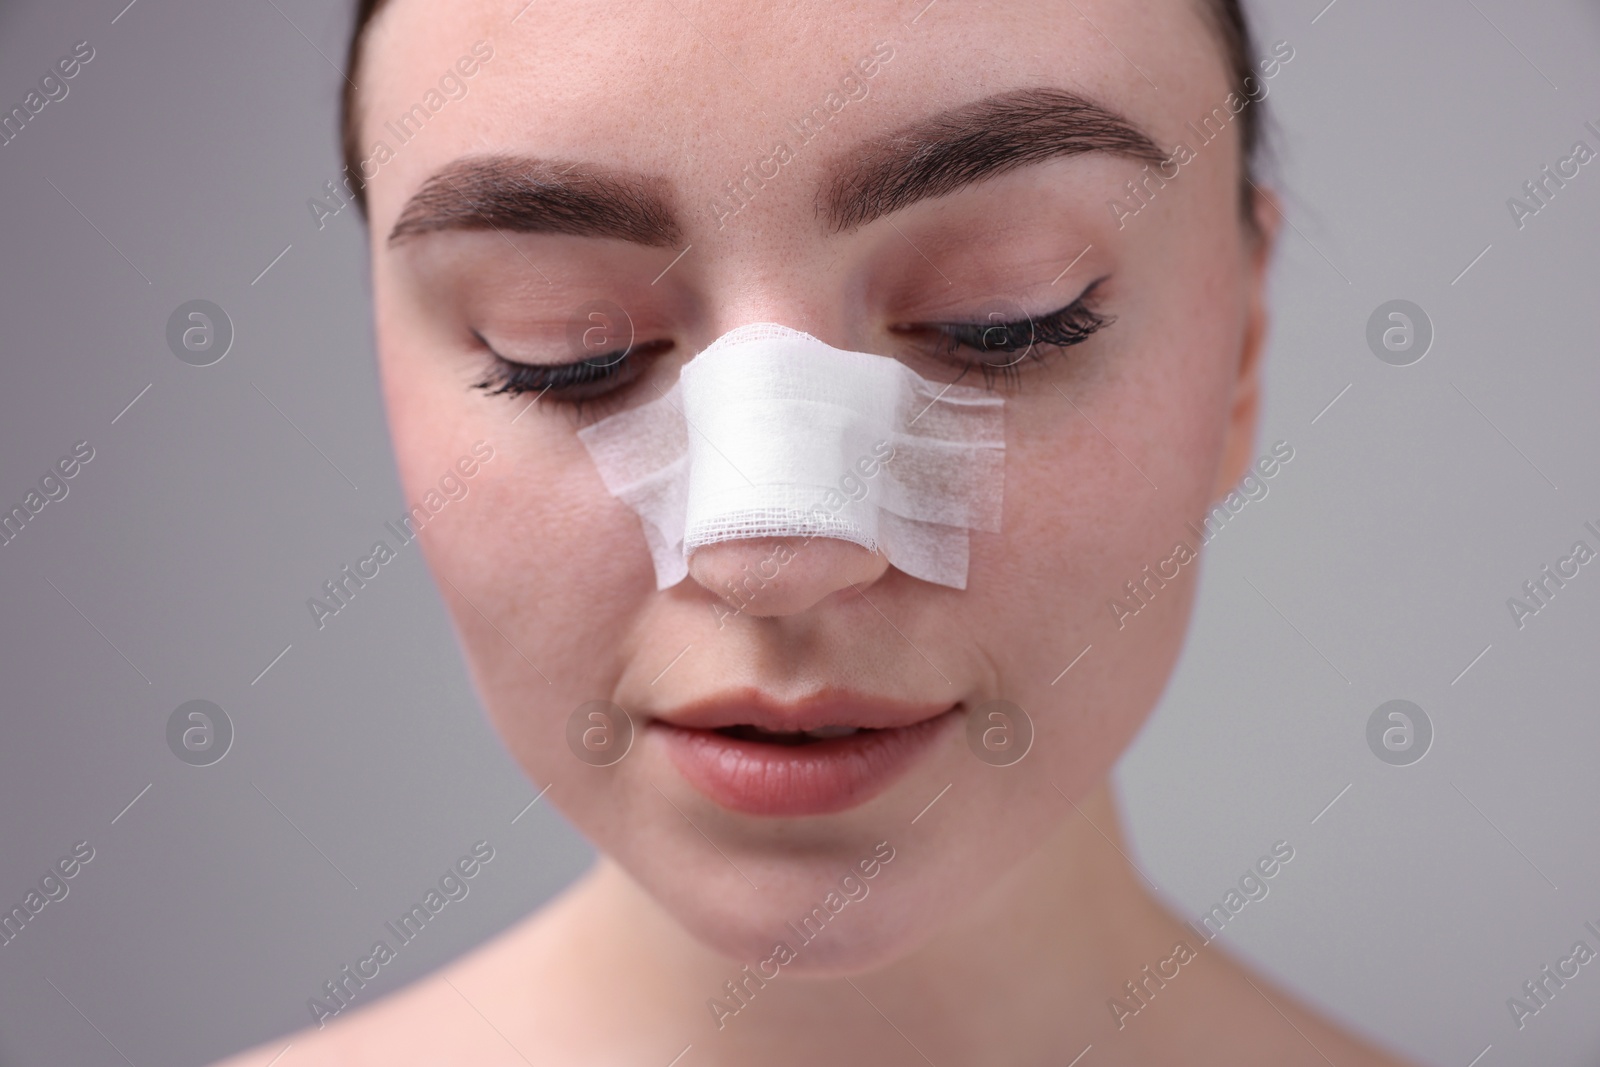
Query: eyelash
(571, 384)
(1060, 329)
(1063, 328)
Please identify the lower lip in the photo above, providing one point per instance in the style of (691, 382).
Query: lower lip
(819, 778)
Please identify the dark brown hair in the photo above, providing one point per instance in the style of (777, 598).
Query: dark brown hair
(1227, 19)
(349, 120)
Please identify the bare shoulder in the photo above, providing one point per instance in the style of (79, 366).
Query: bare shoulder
(1283, 1029)
(494, 1006)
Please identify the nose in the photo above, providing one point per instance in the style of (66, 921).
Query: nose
(783, 576)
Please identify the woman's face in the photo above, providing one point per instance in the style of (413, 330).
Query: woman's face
(1111, 446)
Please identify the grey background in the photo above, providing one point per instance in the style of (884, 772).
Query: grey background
(178, 566)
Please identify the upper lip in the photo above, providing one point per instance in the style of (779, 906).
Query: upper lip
(751, 707)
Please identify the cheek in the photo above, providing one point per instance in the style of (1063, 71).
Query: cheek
(540, 568)
(1094, 494)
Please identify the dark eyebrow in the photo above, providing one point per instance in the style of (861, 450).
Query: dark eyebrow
(540, 196)
(944, 152)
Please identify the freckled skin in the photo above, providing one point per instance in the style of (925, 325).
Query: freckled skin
(1006, 920)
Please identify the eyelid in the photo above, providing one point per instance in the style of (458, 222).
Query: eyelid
(1053, 332)
(576, 385)
(604, 376)
(1084, 296)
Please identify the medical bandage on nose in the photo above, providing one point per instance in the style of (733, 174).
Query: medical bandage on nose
(772, 433)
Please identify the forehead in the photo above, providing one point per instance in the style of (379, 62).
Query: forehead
(694, 91)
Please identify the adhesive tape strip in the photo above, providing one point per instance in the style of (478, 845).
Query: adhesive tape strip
(772, 433)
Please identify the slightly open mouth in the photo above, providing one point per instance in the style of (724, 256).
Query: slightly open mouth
(825, 769)
(790, 737)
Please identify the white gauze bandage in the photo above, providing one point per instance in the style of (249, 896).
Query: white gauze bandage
(772, 433)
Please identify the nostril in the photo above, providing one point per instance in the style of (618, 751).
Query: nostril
(782, 576)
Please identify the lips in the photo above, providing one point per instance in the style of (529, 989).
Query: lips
(817, 757)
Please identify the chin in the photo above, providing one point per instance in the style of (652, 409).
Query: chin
(865, 935)
(843, 907)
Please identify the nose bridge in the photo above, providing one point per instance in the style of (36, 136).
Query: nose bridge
(784, 270)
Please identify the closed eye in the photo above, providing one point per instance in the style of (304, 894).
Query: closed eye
(997, 348)
(574, 383)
